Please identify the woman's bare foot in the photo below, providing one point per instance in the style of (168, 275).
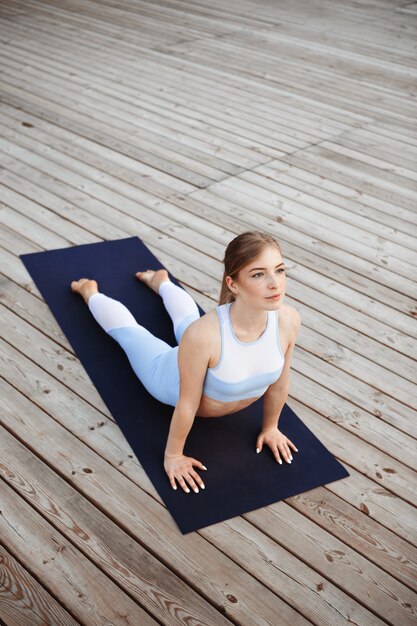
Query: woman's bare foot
(153, 278)
(85, 287)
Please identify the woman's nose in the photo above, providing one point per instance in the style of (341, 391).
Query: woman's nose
(274, 281)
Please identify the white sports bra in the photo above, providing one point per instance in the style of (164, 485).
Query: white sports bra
(245, 369)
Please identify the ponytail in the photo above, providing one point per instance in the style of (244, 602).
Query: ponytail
(226, 295)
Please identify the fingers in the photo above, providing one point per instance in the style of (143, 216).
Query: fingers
(283, 448)
(172, 481)
(292, 445)
(192, 479)
(286, 453)
(200, 465)
(183, 484)
(259, 444)
(187, 478)
(276, 455)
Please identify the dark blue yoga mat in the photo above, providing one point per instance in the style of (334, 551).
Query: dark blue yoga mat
(237, 479)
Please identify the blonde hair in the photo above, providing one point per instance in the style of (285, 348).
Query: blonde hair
(240, 251)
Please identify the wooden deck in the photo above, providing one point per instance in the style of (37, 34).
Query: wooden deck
(185, 123)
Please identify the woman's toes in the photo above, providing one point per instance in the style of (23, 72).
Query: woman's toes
(145, 276)
(153, 278)
(76, 285)
(85, 287)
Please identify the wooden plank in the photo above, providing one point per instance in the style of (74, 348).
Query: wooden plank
(151, 69)
(29, 306)
(236, 219)
(29, 228)
(103, 201)
(350, 94)
(349, 207)
(28, 427)
(394, 150)
(385, 129)
(122, 559)
(164, 15)
(137, 142)
(69, 203)
(341, 21)
(349, 54)
(344, 171)
(401, 609)
(206, 192)
(170, 183)
(266, 560)
(49, 355)
(397, 219)
(258, 129)
(227, 586)
(81, 588)
(230, 79)
(342, 576)
(24, 600)
(34, 427)
(368, 536)
(299, 217)
(359, 300)
(398, 175)
(14, 271)
(149, 28)
(37, 213)
(358, 393)
(373, 496)
(116, 115)
(68, 407)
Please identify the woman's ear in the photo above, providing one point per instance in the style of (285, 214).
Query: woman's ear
(231, 285)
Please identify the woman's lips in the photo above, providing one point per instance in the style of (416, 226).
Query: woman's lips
(274, 297)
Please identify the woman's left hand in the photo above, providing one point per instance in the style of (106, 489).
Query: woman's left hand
(278, 443)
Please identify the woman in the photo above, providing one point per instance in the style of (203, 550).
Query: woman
(226, 359)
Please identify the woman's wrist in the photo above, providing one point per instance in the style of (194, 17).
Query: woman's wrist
(173, 455)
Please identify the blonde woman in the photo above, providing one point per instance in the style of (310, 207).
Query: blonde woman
(226, 359)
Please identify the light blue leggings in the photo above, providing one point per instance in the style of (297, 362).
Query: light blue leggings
(154, 361)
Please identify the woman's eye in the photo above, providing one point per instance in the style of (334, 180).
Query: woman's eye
(279, 270)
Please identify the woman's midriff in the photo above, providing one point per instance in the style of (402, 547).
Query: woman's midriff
(214, 408)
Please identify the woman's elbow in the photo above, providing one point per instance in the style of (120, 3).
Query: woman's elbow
(278, 389)
(188, 403)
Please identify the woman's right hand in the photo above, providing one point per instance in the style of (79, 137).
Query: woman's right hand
(181, 468)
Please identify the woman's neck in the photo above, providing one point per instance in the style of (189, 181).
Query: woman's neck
(247, 321)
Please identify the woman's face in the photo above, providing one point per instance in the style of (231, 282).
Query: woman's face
(260, 282)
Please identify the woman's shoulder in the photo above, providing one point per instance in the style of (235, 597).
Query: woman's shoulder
(290, 318)
(204, 329)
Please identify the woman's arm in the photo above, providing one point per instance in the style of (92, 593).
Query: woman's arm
(275, 398)
(193, 358)
(277, 393)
